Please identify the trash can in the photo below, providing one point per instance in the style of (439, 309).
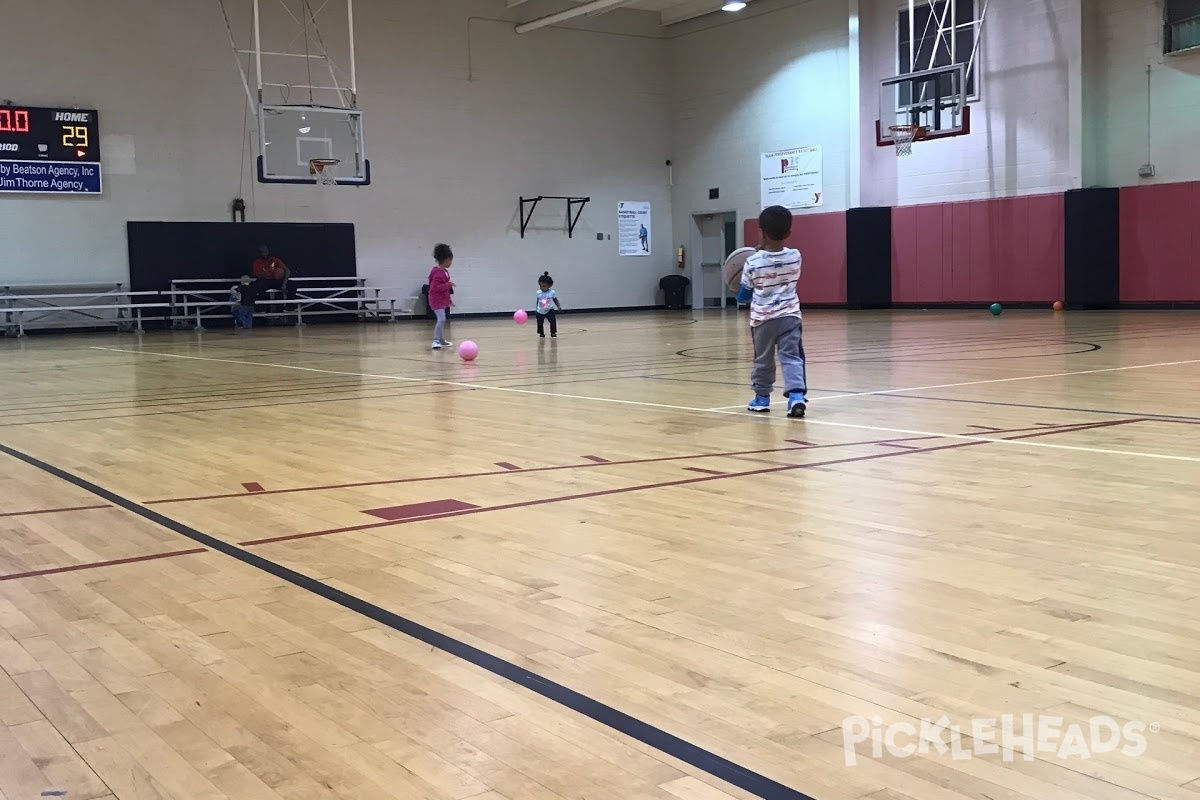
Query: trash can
(674, 289)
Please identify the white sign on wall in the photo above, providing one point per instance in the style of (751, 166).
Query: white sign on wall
(633, 228)
(792, 178)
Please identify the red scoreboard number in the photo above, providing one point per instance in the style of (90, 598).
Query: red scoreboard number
(14, 121)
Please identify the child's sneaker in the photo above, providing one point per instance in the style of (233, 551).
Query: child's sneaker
(797, 404)
(436, 346)
(760, 403)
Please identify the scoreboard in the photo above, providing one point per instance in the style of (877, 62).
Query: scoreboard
(49, 150)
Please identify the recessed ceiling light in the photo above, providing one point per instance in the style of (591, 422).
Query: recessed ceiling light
(733, 5)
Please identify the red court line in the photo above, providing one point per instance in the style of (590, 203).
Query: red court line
(704, 471)
(51, 510)
(255, 488)
(98, 564)
(685, 482)
(898, 445)
(489, 473)
(508, 466)
(598, 459)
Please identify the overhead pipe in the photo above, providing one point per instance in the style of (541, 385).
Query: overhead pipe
(571, 13)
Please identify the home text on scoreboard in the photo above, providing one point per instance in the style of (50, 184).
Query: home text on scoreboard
(50, 150)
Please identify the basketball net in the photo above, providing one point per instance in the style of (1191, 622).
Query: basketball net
(904, 136)
(324, 169)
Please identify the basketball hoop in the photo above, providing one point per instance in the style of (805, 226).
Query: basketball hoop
(324, 170)
(904, 136)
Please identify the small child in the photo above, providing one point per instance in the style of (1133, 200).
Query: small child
(547, 302)
(440, 287)
(242, 297)
(769, 284)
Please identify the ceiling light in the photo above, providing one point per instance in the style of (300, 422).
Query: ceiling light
(733, 5)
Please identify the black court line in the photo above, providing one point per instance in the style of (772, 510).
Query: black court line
(711, 763)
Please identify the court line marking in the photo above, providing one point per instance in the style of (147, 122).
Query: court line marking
(801, 446)
(40, 511)
(657, 738)
(995, 380)
(643, 487)
(98, 564)
(729, 410)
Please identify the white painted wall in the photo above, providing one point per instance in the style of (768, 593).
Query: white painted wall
(463, 116)
(1124, 37)
(768, 78)
(1021, 127)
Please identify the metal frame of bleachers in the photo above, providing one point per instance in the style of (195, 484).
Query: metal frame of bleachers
(187, 304)
(195, 300)
(72, 305)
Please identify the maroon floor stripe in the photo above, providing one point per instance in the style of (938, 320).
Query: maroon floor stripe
(253, 488)
(984, 427)
(508, 466)
(802, 443)
(897, 445)
(704, 471)
(689, 481)
(49, 511)
(589, 465)
(97, 564)
(395, 513)
(598, 459)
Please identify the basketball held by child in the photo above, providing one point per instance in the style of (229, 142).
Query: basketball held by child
(468, 351)
(731, 272)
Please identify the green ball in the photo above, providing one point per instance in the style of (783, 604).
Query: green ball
(996, 308)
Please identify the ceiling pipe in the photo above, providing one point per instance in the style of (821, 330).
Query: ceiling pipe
(571, 13)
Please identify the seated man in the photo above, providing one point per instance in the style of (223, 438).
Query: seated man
(269, 271)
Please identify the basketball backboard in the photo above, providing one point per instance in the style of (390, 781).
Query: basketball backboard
(935, 100)
(293, 136)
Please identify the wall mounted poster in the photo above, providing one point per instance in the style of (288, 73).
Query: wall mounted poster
(633, 228)
(792, 178)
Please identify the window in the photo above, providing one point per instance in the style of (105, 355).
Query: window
(1182, 25)
(942, 33)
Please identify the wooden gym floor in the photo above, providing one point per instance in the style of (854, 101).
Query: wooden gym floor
(330, 563)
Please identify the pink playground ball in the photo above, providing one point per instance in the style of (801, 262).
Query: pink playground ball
(520, 318)
(467, 351)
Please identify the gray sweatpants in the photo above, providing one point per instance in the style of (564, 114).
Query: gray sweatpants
(783, 335)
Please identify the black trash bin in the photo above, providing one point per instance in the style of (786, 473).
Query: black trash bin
(674, 289)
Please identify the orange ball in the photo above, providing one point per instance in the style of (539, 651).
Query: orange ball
(1058, 306)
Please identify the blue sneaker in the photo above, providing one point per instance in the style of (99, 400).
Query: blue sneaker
(797, 404)
(760, 403)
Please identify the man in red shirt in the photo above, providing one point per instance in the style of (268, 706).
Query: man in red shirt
(270, 272)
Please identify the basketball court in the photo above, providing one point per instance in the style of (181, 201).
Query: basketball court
(558, 572)
(315, 561)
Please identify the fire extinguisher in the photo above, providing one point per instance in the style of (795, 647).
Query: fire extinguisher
(679, 259)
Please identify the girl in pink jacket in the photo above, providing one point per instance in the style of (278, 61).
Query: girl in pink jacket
(440, 286)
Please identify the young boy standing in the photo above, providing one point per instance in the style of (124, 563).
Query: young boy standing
(769, 284)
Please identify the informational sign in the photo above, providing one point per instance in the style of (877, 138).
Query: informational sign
(50, 177)
(50, 150)
(792, 178)
(633, 228)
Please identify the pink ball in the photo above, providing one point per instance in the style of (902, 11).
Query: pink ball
(520, 317)
(467, 351)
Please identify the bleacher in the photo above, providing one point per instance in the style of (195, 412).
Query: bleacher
(189, 303)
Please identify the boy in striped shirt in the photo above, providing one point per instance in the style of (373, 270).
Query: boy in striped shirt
(769, 284)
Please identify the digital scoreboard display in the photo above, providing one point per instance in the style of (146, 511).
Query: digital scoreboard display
(49, 150)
